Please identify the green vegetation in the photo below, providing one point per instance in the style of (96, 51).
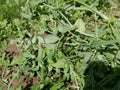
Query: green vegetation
(59, 44)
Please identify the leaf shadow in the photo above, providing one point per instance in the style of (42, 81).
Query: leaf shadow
(101, 76)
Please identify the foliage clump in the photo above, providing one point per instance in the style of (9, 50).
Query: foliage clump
(59, 44)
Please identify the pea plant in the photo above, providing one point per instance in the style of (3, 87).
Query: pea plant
(59, 44)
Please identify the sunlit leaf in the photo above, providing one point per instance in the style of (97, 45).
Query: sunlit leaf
(59, 64)
(51, 39)
(57, 86)
(80, 25)
(35, 87)
(34, 39)
(18, 60)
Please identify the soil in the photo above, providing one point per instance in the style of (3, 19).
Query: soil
(5, 72)
(12, 49)
(24, 80)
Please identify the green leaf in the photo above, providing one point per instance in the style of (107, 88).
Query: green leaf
(81, 67)
(3, 45)
(12, 88)
(87, 56)
(94, 10)
(35, 87)
(63, 27)
(57, 86)
(50, 46)
(26, 15)
(118, 55)
(59, 64)
(40, 40)
(19, 60)
(19, 88)
(34, 39)
(40, 54)
(109, 55)
(72, 73)
(1, 88)
(3, 23)
(80, 25)
(33, 3)
(104, 43)
(51, 39)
